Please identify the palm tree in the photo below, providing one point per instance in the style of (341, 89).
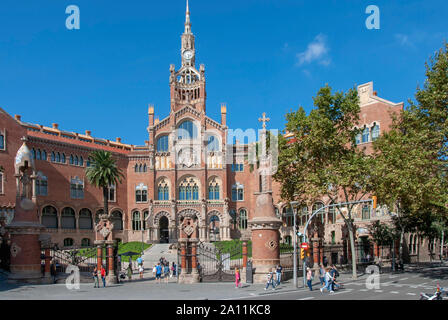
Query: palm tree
(102, 173)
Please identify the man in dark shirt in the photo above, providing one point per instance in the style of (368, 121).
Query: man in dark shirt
(278, 271)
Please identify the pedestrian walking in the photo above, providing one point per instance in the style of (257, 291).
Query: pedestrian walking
(103, 276)
(53, 271)
(270, 280)
(95, 277)
(309, 278)
(158, 272)
(140, 270)
(327, 281)
(237, 278)
(173, 269)
(154, 270)
(140, 261)
(278, 272)
(321, 274)
(166, 272)
(129, 271)
(334, 274)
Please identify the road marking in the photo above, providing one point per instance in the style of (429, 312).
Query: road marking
(307, 298)
(411, 294)
(345, 291)
(404, 278)
(363, 290)
(379, 291)
(395, 292)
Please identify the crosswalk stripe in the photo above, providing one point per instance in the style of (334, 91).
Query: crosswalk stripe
(395, 292)
(411, 294)
(307, 298)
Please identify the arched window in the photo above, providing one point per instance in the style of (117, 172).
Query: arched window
(213, 190)
(288, 216)
(232, 213)
(321, 214)
(365, 135)
(243, 219)
(410, 243)
(141, 193)
(140, 168)
(144, 167)
(136, 223)
(375, 131)
(81, 161)
(41, 184)
(331, 215)
(50, 217)
(187, 130)
(117, 220)
(212, 143)
(2, 142)
(53, 157)
(145, 217)
(63, 158)
(68, 242)
(237, 192)
(85, 219)
(189, 189)
(76, 160)
(214, 227)
(76, 188)
(71, 161)
(304, 215)
(365, 212)
(136, 168)
(44, 155)
(58, 157)
(68, 219)
(163, 190)
(85, 242)
(162, 144)
(38, 155)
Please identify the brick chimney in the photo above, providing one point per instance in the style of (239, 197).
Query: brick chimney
(375, 93)
(151, 114)
(223, 114)
(55, 125)
(88, 133)
(18, 117)
(118, 140)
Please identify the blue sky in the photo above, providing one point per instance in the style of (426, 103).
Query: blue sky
(260, 55)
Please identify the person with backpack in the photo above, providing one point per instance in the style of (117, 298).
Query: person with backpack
(166, 271)
(270, 280)
(328, 280)
(158, 272)
(173, 269)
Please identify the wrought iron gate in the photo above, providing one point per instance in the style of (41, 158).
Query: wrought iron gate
(219, 263)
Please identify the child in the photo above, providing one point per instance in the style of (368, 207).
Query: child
(140, 270)
(237, 278)
(270, 279)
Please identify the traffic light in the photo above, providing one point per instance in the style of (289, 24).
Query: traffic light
(302, 253)
(374, 198)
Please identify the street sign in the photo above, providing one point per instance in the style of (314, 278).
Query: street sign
(304, 245)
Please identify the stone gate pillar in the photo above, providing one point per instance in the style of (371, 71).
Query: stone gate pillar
(264, 223)
(25, 228)
(188, 243)
(111, 276)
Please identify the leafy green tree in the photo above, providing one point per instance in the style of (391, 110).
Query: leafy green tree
(322, 159)
(102, 173)
(411, 167)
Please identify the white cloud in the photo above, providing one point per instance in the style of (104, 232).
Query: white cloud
(317, 50)
(403, 39)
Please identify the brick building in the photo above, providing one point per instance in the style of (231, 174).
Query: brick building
(185, 166)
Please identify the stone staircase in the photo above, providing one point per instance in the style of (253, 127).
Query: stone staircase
(152, 256)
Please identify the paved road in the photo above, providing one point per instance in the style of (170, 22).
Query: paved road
(404, 286)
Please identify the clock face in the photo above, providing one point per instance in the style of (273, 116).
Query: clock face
(188, 54)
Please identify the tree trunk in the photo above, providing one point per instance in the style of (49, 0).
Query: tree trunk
(352, 247)
(441, 245)
(400, 249)
(106, 200)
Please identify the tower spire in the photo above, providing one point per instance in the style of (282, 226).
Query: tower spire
(187, 20)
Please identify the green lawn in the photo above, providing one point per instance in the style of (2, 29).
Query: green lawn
(234, 247)
(134, 246)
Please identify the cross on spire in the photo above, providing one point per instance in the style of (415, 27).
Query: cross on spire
(264, 120)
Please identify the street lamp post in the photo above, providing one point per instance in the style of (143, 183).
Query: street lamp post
(295, 244)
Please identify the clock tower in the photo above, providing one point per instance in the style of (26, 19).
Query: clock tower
(187, 84)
